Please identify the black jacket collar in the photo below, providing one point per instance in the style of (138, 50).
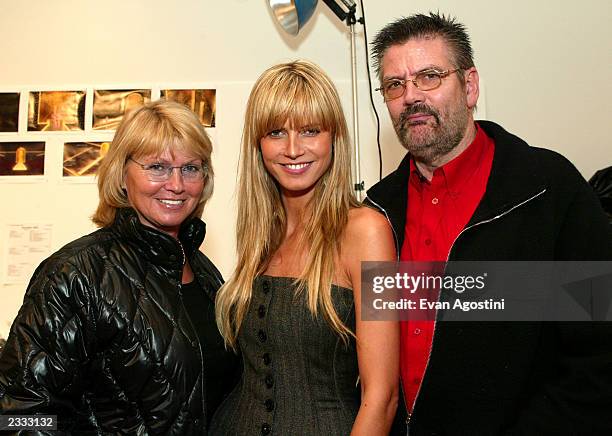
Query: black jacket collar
(515, 175)
(156, 245)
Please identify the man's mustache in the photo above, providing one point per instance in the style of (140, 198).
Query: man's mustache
(419, 108)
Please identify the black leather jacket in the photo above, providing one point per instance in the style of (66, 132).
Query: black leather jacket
(103, 339)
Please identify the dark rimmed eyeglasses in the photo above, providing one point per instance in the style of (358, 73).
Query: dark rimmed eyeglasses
(425, 81)
(160, 172)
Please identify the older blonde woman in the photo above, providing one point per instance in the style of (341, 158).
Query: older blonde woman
(116, 334)
(292, 306)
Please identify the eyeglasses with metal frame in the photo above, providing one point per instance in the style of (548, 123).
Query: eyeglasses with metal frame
(160, 172)
(427, 80)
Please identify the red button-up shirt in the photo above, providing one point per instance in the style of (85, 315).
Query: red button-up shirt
(437, 212)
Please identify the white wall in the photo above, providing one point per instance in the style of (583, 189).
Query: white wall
(546, 66)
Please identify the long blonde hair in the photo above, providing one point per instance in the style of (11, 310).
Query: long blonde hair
(302, 93)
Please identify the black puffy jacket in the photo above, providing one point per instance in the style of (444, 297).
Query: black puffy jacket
(103, 339)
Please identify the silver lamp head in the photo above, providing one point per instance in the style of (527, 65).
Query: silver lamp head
(292, 15)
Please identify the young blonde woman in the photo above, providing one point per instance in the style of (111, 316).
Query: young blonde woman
(311, 365)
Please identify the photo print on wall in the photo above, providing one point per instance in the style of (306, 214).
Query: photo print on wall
(9, 111)
(22, 158)
(83, 158)
(56, 110)
(109, 106)
(201, 101)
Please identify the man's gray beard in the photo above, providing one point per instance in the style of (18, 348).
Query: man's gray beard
(441, 139)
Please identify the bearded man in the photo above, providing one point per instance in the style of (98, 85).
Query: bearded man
(470, 190)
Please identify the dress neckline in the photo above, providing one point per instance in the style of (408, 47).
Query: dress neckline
(293, 279)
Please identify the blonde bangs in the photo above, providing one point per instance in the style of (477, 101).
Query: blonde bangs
(292, 99)
(157, 135)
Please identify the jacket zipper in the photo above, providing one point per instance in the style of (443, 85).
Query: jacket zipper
(435, 319)
(184, 258)
(193, 329)
(204, 419)
(506, 212)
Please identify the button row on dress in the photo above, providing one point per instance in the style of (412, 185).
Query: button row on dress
(262, 335)
(269, 403)
(266, 359)
(269, 381)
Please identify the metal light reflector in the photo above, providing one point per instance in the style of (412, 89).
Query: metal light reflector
(292, 15)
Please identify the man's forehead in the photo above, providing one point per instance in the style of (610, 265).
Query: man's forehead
(416, 53)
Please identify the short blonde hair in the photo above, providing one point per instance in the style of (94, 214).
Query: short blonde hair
(151, 129)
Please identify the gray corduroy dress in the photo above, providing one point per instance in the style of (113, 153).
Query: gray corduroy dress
(299, 376)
